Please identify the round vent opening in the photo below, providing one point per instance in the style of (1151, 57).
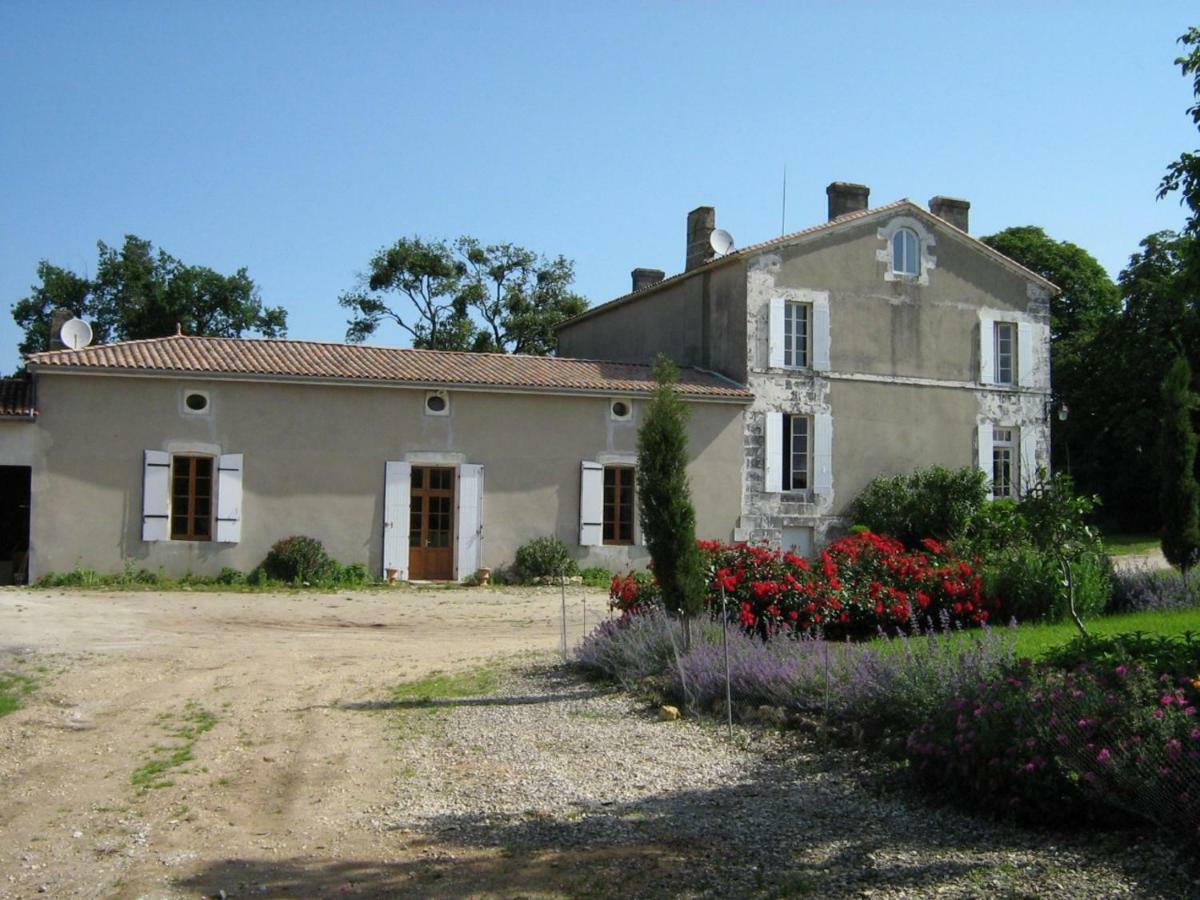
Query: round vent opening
(621, 409)
(196, 402)
(437, 404)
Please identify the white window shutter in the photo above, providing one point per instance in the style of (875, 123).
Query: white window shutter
(1027, 465)
(775, 334)
(156, 498)
(1026, 354)
(984, 441)
(397, 480)
(591, 504)
(820, 335)
(469, 551)
(822, 454)
(773, 467)
(229, 498)
(987, 353)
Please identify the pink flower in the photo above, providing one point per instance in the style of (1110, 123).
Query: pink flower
(1103, 755)
(1121, 671)
(1166, 699)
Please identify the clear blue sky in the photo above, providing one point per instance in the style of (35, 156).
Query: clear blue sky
(297, 138)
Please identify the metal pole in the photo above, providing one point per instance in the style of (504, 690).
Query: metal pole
(585, 616)
(725, 644)
(562, 580)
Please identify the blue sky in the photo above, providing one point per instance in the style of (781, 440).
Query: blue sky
(297, 138)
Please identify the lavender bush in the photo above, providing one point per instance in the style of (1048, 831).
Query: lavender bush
(1142, 589)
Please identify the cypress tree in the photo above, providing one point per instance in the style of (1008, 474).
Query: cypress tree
(664, 498)
(1180, 495)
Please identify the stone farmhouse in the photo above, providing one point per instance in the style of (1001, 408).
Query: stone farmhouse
(882, 340)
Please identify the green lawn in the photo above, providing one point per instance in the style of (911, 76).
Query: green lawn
(1035, 640)
(1129, 544)
(13, 688)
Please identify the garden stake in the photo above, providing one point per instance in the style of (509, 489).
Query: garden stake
(585, 616)
(725, 644)
(562, 581)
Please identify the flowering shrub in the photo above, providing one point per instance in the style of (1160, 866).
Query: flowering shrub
(861, 584)
(1044, 744)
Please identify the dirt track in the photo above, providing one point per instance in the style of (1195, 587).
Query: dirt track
(290, 766)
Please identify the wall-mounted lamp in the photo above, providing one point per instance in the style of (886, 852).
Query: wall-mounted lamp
(1063, 412)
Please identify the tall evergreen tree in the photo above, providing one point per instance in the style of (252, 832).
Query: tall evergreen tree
(664, 498)
(1180, 493)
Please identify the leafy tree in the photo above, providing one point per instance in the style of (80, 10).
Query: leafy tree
(498, 298)
(1180, 495)
(664, 498)
(1183, 175)
(142, 293)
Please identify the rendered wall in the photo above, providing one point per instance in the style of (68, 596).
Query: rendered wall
(314, 465)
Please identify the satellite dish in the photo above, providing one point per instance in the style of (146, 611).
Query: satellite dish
(721, 241)
(75, 333)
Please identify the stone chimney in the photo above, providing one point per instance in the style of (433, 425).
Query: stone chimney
(700, 224)
(58, 318)
(952, 209)
(643, 278)
(846, 197)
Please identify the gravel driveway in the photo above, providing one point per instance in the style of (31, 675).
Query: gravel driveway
(313, 781)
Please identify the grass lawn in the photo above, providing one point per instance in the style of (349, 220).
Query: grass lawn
(1129, 544)
(1035, 640)
(13, 688)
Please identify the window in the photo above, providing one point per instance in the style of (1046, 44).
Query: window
(1004, 463)
(795, 335)
(795, 453)
(906, 255)
(1006, 352)
(618, 505)
(191, 498)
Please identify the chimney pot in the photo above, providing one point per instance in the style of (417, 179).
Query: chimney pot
(701, 222)
(952, 210)
(58, 318)
(846, 197)
(643, 278)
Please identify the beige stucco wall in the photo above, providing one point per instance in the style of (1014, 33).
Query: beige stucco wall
(888, 429)
(18, 442)
(699, 321)
(314, 465)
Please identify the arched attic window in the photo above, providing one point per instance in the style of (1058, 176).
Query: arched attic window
(906, 253)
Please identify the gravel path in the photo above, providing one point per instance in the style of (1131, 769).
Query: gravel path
(557, 787)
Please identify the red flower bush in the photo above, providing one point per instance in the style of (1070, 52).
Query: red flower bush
(861, 583)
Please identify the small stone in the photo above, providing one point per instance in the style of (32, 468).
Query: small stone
(668, 713)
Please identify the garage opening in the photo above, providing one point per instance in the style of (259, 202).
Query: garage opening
(14, 524)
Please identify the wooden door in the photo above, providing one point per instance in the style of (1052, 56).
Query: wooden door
(431, 524)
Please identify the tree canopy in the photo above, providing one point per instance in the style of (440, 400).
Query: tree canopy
(464, 295)
(139, 292)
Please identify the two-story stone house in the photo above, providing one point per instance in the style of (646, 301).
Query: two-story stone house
(882, 340)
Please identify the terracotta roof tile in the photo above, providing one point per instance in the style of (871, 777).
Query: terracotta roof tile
(16, 398)
(226, 357)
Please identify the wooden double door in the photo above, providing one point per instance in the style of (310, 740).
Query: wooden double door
(431, 524)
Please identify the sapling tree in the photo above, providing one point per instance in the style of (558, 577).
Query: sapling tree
(664, 499)
(1180, 494)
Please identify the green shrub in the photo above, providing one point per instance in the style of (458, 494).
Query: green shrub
(1173, 655)
(230, 576)
(935, 502)
(352, 574)
(1029, 583)
(299, 559)
(596, 576)
(542, 557)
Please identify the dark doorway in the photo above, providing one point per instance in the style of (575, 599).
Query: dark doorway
(14, 524)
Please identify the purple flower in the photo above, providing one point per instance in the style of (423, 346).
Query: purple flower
(1121, 671)
(1166, 699)
(1103, 755)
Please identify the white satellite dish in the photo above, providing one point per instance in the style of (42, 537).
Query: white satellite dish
(75, 333)
(721, 241)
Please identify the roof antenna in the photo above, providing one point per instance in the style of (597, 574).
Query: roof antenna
(783, 209)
